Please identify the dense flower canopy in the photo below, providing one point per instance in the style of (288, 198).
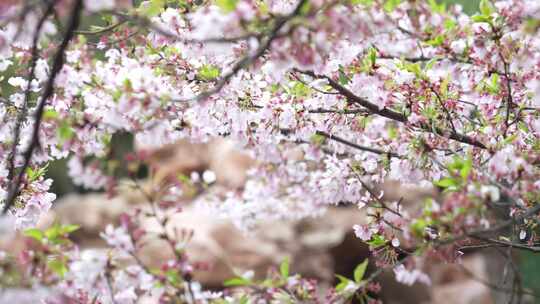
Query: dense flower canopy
(330, 97)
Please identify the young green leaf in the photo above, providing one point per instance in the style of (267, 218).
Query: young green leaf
(65, 131)
(466, 168)
(390, 5)
(343, 79)
(227, 5)
(343, 282)
(284, 268)
(67, 229)
(152, 8)
(447, 183)
(360, 270)
(486, 7)
(208, 72)
(58, 266)
(236, 282)
(34, 233)
(377, 240)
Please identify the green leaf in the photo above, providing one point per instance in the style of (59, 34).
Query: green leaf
(486, 7)
(152, 8)
(491, 86)
(34, 233)
(58, 266)
(65, 131)
(495, 80)
(449, 24)
(418, 227)
(50, 114)
(447, 183)
(317, 139)
(392, 132)
(377, 240)
(35, 174)
(341, 286)
(343, 282)
(227, 5)
(67, 229)
(510, 139)
(284, 268)
(53, 232)
(208, 72)
(31, 174)
(362, 2)
(300, 90)
(482, 18)
(414, 68)
(436, 7)
(466, 168)
(343, 79)
(305, 8)
(236, 282)
(173, 277)
(390, 5)
(244, 300)
(444, 86)
(360, 270)
(372, 55)
(437, 41)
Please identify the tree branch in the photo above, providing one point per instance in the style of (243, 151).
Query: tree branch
(393, 115)
(24, 110)
(356, 146)
(58, 62)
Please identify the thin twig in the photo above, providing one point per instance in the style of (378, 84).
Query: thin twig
(356, 146)
(101, 31)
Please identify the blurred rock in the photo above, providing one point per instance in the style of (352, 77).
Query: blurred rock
(221, 156)
(317, 247)
(219, 243)
(91, 211)
(461, 283)
(467, 291)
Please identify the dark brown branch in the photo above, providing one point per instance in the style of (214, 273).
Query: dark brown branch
(483, 232)
(393, 115)
(311, 87)
(343, 112)
(58, 62)
(24, 109)
(356, 146)
(445, 109)
(507, 244)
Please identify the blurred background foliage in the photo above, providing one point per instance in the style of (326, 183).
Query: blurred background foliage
(469, 6)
